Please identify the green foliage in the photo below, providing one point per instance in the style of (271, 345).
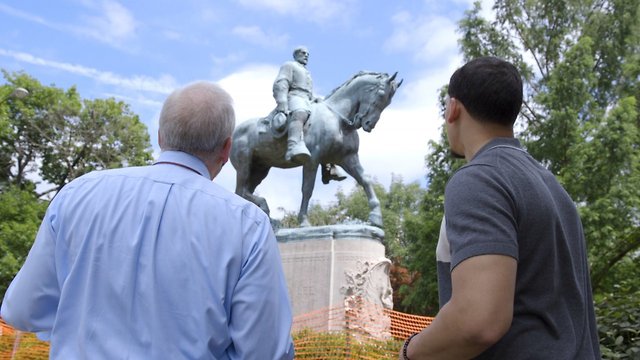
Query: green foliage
(104, 134)
(57, 136)
(580, 116)
(421, 297)
(580, 65)
(618, 317)
(400, 216)
(54, 135)
(20, 216)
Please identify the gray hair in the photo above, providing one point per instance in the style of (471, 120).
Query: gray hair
(197, 119)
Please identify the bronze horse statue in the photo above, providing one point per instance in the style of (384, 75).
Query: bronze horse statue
(330, 135)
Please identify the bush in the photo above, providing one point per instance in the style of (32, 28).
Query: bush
(618, 317)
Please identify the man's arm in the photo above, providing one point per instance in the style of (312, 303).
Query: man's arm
(31, 301)
(478, 314)
(281, 88)
(260, 324)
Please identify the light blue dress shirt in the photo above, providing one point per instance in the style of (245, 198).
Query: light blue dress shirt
(154, 262)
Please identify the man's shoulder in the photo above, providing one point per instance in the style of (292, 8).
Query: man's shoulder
(292, 66)
(215, 195)
(98, 174)
(472, 171)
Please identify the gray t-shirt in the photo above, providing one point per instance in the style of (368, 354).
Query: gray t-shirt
(504, 202)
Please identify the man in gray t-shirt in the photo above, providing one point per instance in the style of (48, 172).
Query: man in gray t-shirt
(512, 266)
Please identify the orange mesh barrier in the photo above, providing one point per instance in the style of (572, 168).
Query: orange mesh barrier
(356, 330)
(18, 345)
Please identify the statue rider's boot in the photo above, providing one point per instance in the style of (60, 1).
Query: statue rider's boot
(336, 174)
(332, 172)
(296, 149)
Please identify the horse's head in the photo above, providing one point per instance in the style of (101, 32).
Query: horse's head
(375, 98)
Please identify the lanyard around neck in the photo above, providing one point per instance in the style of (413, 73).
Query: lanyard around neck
(178, 164)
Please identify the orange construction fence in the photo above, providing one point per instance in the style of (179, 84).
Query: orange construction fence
(356, 330)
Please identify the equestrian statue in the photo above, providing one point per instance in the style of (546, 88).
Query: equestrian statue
(327, 137)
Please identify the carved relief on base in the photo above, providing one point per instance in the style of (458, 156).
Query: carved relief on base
(367, 291)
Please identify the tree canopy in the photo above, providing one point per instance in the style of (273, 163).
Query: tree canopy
(580, 61)
(47, 139)
(54, 136)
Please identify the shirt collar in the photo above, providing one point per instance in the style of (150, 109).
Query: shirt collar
(500, 141)
(185, 159)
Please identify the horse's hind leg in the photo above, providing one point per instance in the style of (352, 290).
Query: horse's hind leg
(351, 165)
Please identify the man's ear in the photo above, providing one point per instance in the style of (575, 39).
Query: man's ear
(159, 139)
(452, 112)
(226, 151)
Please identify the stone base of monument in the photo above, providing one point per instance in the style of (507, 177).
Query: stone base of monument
(325, 266)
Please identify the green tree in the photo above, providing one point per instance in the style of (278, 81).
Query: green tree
(21, 212)
(422, 296)
(31, 124)
(400, 206)
(579, 61)
(55, 135)
(104, 134)
(580, 65)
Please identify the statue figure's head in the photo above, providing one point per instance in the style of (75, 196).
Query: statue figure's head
(301, 55)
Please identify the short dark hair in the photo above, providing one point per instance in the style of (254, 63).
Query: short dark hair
(489, 88)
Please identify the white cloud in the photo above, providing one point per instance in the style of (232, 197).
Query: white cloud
(163, 84)
(397, 145)
(22, 15)
(250, 88)
(114, 23)
(251, 91)
(228, 59)
(427, 38)
(318, 11)
(154, 104)
(255, 35)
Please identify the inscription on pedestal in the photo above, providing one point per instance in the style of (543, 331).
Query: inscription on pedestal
(324, 265)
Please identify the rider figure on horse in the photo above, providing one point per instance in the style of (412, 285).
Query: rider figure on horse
(292, 91)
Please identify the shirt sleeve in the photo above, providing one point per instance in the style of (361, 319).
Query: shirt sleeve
(31, 301)
(480, 215)
(281, 84)
(260, 324)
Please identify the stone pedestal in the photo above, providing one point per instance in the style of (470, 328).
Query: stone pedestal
(324, 265)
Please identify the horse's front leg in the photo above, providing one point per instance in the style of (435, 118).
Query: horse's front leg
(351, 164)
(309, 171)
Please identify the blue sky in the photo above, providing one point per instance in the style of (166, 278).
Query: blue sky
(139, 51)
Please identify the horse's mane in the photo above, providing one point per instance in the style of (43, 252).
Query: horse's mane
(361, 73)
